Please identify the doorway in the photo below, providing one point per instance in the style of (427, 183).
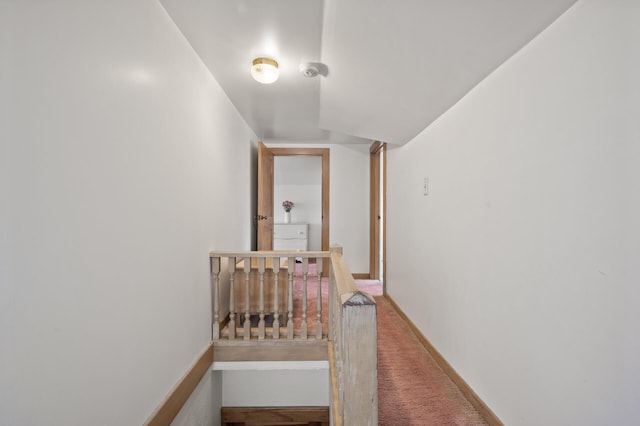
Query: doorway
(298, 179)
(378, 211)
(265, 216)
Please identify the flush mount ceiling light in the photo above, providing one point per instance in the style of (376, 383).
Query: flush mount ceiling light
(264, 70)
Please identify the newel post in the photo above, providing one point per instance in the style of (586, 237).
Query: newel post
(360, 360)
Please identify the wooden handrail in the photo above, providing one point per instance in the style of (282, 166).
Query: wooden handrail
(269, 254)
(352, 333)
(345, 284)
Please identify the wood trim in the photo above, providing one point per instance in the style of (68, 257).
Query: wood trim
(178, 395)
(326, 157)
(361, 276)
(344, 282)
(374, 204)
(284, 350)
(264, 218)
(275, 415)
(384, 219)
(298, 151)
(482, 408)
(378, 211)
(376, 147)
(325, 153)
(336, 409)
(240, 255)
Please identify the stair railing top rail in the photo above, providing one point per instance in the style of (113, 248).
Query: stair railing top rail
(269, 254)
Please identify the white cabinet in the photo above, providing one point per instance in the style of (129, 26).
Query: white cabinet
(291, 236)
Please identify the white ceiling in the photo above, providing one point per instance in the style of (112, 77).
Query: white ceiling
(393, 66)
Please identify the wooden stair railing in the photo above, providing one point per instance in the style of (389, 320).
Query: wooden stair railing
(263, 281)
(253, 286)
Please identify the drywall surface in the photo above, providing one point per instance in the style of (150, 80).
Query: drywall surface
(349, 200)
(521, 265)
(299, 179)
(119, 148)
(275, 388)
(203, 406)
(350, 204)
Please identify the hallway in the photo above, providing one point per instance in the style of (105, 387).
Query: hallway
(412, 388)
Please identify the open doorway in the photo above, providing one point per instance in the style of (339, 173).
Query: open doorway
(265, 217)
(378, 210)
(298, 180)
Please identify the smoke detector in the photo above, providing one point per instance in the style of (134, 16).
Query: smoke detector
(309, 70)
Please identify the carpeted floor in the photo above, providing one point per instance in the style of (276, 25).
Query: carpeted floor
(373, 287)
(412, 389)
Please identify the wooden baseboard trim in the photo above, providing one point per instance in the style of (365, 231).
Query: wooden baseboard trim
(466, 390)
(336, 409)
(178, 395)
(275, 415)
(361, 276)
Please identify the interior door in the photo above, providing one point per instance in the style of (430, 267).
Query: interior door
(377, 219)
(265, 198)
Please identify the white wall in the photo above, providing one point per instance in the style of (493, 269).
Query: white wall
(243, 384)
(203, 406)
(276, 387)
(350, 204)
(299, 179)
(521, 266)
(349, 200)
(118, 147)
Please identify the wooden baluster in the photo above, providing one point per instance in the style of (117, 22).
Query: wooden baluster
(319, 263)
(215, 289)
(291, 268)
(247, 299)
(232, 303)
(261, 268)
(305, 271)
(276, 302)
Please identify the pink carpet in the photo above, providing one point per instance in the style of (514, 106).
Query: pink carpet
(412, 389)
(373, 287)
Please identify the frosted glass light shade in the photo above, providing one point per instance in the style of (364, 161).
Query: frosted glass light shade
(264, 70)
